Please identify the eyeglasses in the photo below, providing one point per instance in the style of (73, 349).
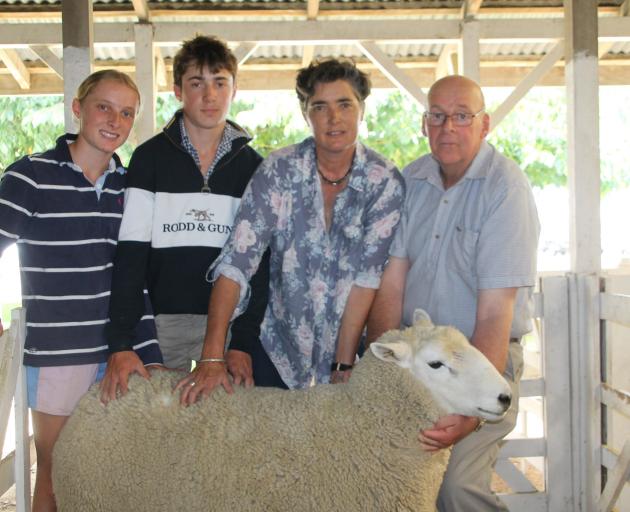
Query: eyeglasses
(458, 118)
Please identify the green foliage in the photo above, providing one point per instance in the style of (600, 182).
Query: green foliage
(5, 313)
(29, 125)
(166, 106)
(276, 135)
(394, 129)
(286, 129)
(539, 144)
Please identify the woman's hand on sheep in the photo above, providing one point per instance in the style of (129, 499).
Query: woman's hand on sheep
(239, 365)
(119, 366)
(447, 431)
(202, 380)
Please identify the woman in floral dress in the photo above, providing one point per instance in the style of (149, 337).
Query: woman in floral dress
(326, 209)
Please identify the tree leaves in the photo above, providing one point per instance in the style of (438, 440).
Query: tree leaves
(29, 125)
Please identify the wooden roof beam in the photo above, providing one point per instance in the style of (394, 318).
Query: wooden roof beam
(17, 68)
(160, 68)
(447, 61)
(308, 52)
(141, 8)
(256, 77)
(543, 67)
(312, 9)
(327, 32)
(46, 55)
(244, 51)
(389, 68)
(470, 8)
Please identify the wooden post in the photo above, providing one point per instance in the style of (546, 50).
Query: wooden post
(581, 68)
(78, 38)
(11, 347)
(146, 79)
(581, 58)
(584, 316)
(557, 404)
(469, 53)
(22, 439)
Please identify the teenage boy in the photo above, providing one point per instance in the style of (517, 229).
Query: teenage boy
(184, 187)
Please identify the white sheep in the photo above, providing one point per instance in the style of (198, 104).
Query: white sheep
(350, 447)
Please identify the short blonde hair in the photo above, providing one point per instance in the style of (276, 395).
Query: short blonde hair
(88, 85)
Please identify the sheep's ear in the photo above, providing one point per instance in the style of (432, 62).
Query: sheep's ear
(421, 317)
(397, 352)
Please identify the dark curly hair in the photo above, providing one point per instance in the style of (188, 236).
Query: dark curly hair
(203, 51)
(330, 70)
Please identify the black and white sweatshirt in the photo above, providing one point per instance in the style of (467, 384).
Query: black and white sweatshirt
(171, 232)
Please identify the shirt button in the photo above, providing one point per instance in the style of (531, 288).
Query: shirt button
(445, 201)
(437, 236)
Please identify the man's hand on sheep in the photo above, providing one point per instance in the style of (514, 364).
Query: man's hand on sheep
(202, 380)
(239, 365)
(447, 431)
(339, 377)
(119, 366)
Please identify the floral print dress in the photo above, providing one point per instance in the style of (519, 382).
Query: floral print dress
(312, 268)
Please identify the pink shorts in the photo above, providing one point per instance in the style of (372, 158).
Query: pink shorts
(58, 389)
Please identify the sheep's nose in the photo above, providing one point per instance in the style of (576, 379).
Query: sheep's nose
(505, 400)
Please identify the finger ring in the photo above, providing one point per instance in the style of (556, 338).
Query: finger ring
(192, 383)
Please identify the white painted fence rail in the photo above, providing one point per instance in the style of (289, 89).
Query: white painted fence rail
(615, 308)
(571, 308)
(16, 467)
(552, 307)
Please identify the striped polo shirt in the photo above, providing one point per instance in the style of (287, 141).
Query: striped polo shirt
(66, 230)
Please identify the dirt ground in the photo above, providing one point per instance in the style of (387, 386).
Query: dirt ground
(7, 501)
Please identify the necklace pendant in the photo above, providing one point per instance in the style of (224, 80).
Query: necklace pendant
(336, 182)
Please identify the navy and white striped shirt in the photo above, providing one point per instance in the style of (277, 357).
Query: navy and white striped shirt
(66, 229)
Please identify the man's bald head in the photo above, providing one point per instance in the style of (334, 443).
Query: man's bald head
(458, 83)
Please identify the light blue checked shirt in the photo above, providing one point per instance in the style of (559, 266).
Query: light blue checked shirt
(481, 233)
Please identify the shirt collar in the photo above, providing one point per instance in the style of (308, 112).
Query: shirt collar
(478, 168)
(231, 132)
(64, 155)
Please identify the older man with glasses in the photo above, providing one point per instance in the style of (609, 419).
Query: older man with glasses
(465, 251)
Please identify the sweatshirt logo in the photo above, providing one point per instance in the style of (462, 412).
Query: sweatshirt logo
(203, 221)
(201, 215)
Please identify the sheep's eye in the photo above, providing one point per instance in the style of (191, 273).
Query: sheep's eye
(435, 364)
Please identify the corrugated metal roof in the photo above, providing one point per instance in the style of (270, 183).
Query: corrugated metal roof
(420, 55)
(422, 4)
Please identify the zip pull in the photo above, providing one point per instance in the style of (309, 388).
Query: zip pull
(205, 189)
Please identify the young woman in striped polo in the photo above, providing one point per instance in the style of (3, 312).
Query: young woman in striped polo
(63, 208)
